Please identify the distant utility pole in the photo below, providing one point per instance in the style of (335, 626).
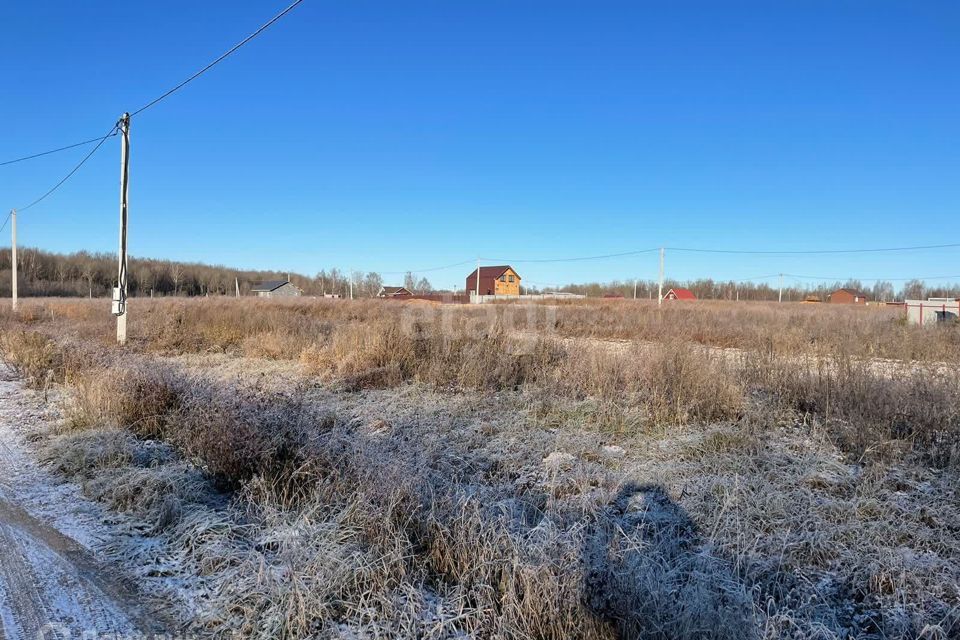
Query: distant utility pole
(780, 295)
(13, 257)
(120, 293)
(236, 281)
(660, 288)
(351, 284)
(634, 288)
(478, 281)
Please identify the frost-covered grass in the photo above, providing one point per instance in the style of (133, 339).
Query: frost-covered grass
(378, 481)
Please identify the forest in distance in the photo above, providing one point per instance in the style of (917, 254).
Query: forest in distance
(86, 274)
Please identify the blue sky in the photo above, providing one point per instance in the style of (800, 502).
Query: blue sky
(402, 135)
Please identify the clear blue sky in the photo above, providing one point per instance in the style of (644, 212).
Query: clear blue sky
(402, 135)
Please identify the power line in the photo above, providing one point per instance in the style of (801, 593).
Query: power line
(578, 259)
(833, 279)
(113, 131)
(46, 153)
(733, 251)
(222, 57)
(447, 266)
(5, 221)
(771, 275)
(817, 251)
(72, 171)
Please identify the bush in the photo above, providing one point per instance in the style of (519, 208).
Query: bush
(34, 357)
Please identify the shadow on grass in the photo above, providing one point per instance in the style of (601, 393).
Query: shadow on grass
(650, 575)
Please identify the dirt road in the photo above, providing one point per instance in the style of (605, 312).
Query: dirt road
(52, 584)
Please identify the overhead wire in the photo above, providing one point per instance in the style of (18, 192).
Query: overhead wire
(46, 153)
(153, 102)
(835, 279)
(577, 259)
(816, 251)
(220, 59)
(729, 251)
(99, 142)
(72, 172)
(447, 266)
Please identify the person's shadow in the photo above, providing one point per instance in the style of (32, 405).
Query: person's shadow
(648, 575)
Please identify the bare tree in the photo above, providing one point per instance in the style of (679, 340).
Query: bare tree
(913, 289)
(423, 286)
(176, 274)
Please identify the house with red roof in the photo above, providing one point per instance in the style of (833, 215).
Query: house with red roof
(679, 294)
(495, 281)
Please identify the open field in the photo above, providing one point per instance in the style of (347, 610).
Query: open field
(404, 469)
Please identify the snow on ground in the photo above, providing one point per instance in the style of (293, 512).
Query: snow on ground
(54, 578)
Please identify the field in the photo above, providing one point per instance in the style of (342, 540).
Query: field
(384, 469)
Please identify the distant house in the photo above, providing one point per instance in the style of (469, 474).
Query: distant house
(932, 311)
(848, 296)
(679, 294)
(495, 281)
(276, 289)
(394, 292)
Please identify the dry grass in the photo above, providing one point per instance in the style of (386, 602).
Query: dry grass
(34, 357)
(724, 511)
(812, 359)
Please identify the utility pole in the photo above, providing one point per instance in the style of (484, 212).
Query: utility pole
(351, 284)
(780, 295)
(236, 281)
(660, 288)
(13, 258)
(634, 288)
(478, 281)
(120, 293)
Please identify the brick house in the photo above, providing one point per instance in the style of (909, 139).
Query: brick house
(848, 296)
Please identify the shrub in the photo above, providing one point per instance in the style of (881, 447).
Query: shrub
(141, 398)
(34, 357)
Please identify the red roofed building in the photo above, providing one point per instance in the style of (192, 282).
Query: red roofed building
(679, 294)
(495, 281)
(848, 296)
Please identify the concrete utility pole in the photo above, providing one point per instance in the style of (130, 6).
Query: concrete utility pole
(478, 281)
(236, 281)
(780, 295)
(634, 288)
(351, 284)
(13, 258)
(120, 292)
(660, 288)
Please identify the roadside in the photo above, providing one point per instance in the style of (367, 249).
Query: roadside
(54, 579)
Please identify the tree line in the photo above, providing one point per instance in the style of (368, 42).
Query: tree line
(708, 289)
(44, 273)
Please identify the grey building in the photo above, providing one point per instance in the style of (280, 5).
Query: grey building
(932, 311)
(276, 289)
